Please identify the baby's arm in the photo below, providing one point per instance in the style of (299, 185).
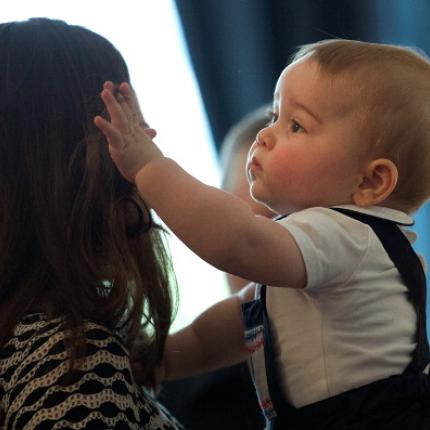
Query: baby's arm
(213, 340)
(216, 225)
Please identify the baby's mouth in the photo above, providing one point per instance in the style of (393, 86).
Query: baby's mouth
(254, 165)
(252, 168)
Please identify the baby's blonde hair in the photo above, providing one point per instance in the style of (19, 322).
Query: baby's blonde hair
(390, 90)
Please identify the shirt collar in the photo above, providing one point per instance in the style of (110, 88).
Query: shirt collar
(398, 217)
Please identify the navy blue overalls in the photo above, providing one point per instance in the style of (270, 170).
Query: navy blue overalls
(400, 402)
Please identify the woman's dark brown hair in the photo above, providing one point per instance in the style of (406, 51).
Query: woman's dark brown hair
(76, 239)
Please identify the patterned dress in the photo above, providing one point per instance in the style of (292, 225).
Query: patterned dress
(101, 394)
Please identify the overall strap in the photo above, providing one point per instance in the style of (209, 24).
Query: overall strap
(410, 268)
(284, 410)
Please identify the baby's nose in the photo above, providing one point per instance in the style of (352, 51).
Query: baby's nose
(263, 138)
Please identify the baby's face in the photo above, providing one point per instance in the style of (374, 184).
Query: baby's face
(308, 155)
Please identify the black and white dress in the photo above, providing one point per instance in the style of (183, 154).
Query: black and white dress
(102, 394)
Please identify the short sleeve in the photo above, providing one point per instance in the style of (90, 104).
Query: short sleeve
(332, 244)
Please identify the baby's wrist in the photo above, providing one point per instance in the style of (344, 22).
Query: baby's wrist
(151, 167)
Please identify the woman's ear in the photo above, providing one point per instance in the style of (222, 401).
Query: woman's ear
(378, 183)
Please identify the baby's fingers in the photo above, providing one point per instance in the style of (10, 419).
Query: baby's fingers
(116, 112)
(109, 85)
(133, 104)
(112, 135)
(119, 97)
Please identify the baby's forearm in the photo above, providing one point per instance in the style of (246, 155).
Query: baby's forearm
(214, 340)
(209, 221)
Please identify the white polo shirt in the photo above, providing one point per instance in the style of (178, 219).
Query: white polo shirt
(352, 324)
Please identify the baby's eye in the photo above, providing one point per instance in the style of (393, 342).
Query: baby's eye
(296, 127)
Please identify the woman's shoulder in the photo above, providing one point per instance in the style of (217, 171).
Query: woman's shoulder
(37, 338)
(37, 388)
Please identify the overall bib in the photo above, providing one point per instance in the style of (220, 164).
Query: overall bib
(400, 402)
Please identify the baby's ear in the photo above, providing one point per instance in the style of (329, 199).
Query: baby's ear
(378, 182)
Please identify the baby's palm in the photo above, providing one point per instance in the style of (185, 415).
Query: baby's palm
(128, 135)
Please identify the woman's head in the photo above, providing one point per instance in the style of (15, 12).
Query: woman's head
(71, 228)
(387, 88)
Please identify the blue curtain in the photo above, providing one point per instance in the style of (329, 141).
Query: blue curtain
(422, 228)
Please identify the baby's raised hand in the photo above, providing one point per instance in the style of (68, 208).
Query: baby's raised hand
(129, 136)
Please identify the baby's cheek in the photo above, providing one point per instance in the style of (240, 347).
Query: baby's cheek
(284, 168)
